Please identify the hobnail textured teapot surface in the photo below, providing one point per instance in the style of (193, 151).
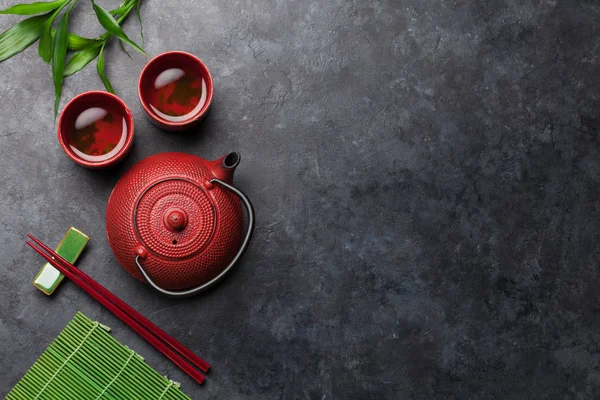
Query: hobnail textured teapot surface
(171, 214)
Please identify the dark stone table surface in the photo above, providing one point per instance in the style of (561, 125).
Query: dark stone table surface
(426, 181)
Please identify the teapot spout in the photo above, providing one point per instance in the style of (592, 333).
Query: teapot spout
(224, 167)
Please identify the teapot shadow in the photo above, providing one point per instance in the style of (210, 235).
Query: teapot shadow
(110, 175)
(196, 135)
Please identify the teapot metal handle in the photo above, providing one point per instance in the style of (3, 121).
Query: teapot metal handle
(216, 279)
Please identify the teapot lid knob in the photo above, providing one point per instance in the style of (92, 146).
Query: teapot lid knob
(176, 219)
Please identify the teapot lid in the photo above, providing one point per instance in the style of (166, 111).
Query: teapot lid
(174, 218)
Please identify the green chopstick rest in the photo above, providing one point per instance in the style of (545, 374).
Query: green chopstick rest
(70, 248)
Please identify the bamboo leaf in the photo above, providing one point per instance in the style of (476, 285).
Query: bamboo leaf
(45, 45)
(124, 8)
(119, 11)
(33, 8)
(20, 36)
(80, 59)
(138, 5)
(124, 49)
(112, 26)
(100, 68)
(76, 42)
(59, 53)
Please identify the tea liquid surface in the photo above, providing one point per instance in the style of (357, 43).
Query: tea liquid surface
(97, 133)
(177, 94)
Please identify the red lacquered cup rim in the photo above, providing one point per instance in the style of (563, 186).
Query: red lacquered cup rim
(209, 86)
(117, 157)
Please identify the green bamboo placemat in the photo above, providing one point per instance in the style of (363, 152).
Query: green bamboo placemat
(85, 362)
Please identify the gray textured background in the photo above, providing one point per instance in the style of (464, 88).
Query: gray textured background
(425, 176)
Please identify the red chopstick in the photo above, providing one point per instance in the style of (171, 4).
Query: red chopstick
(200, 363)
(168, 352)
(153, 340)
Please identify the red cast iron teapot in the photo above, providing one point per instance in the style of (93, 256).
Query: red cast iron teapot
(175, 221)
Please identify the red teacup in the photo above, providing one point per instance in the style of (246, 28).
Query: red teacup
(175, 90)
(95, 129)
